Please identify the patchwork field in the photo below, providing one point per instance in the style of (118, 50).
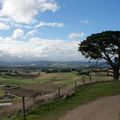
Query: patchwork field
(51, 82)
(50, 79)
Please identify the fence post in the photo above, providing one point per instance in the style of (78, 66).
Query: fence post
(23, 100)
(83, 81)
(107, 72)
(59, 94)
(90, 79)
(75, 86)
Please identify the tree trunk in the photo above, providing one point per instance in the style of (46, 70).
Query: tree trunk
(116, 73)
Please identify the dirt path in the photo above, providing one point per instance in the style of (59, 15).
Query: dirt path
(107, 108)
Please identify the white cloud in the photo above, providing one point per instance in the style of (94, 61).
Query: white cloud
(84, 21)
(3, 19)
(30, 34)
(17, 25)
(39, 49)
(76, 36)
(17, 33)
(24, 11)
(53, 24)
(4, 26)
(20, 14)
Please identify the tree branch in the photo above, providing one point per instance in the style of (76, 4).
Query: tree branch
(108, 59)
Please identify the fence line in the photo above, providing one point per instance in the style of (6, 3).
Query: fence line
(60, 93)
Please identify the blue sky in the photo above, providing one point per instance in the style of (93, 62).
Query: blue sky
(101, 14)
(52, 29)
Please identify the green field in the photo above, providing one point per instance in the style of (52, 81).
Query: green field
(49, 79)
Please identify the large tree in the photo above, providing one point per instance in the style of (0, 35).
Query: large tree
(105, 45)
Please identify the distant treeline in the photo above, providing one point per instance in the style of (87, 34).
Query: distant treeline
(59, 70)
(36, 71)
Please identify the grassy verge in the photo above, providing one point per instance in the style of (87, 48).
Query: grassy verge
(54, 109)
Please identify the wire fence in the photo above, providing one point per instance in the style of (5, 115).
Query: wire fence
(60, 93)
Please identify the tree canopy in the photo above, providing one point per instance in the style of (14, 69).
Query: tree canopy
(105, 45)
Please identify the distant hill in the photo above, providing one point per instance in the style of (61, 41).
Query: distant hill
(55, 64)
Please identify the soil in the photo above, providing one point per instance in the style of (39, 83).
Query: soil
(107, 108)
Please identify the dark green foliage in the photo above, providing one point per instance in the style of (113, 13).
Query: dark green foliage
(105, 45)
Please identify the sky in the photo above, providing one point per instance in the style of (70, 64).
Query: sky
(32, 30)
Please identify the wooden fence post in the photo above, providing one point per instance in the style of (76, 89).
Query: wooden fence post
(59, 94)
(23, 100)
(83, 81)
(90, 79)
(75, 86)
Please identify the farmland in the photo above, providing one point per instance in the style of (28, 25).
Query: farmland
(53, 79)
(44, 79)
(26, 85)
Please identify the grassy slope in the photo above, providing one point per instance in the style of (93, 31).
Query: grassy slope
(55, 79)
(54, 109)
(58, 79)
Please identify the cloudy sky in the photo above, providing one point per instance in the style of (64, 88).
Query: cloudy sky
(52, 29)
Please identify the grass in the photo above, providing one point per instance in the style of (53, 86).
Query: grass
(1, 92)
(53, 79)
(57, 79)
(54, 109)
